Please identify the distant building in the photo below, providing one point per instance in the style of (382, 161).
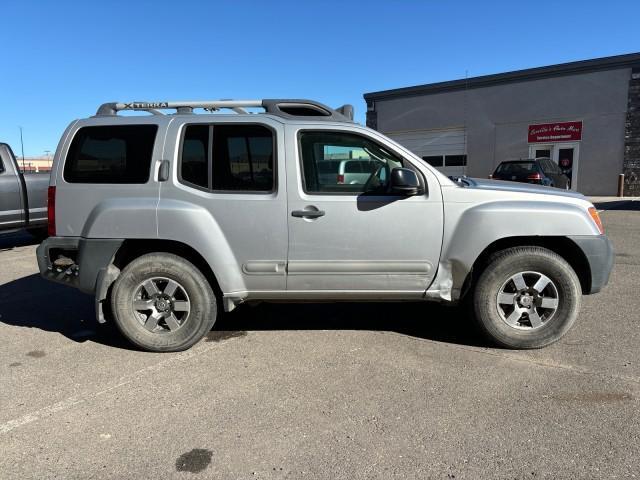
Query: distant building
(584, 115)
(35, 164)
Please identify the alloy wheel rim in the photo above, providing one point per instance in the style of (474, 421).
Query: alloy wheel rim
(161, 305)
(527, 300)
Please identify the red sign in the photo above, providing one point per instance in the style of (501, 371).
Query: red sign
(555, 132)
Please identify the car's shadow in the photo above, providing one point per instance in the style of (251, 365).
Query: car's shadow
(421, 320)
(33, 302)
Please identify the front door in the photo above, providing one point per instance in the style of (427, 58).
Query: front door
(348, 237)
(11, 208)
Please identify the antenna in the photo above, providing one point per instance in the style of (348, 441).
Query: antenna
(466, 89)
(22, 146)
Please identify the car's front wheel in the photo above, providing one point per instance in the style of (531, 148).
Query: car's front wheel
(163, 303)
(526, 297)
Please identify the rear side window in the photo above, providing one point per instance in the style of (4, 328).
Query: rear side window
(544, 166)
(196, 155)
(228, 157)
(111, 154)
(549, 166)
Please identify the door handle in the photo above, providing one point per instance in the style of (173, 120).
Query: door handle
(307, 213)
(163, 171)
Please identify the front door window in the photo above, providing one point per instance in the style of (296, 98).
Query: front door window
(344, 163)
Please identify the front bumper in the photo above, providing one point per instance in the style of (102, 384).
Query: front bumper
(600, 255)
(91, 258)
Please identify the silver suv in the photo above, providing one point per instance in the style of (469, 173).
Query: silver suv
(167, 218)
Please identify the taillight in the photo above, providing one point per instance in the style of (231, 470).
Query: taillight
(340, 178)
(596, 219)
(534, 176)
(51, 211)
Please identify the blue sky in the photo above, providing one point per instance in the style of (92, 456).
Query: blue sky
(61, 59)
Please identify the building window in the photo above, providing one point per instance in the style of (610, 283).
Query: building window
(434, 160)
(455, 160)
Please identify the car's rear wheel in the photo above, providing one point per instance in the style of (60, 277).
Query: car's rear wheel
(526, 297)
(162, 303)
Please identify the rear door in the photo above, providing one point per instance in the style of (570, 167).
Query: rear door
(231, 167)
(351, 240)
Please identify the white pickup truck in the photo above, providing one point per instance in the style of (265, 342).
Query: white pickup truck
(23, 197)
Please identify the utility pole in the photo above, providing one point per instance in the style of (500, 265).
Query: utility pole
(22, 146)
(48, 154)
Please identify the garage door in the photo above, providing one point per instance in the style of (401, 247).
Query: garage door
(445, 149)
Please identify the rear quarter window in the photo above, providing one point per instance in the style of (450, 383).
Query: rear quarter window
(111, 154)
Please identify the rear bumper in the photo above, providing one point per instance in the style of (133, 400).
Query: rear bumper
(599, 252)
(91, 259)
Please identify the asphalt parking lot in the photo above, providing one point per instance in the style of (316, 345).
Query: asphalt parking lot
(319, 391)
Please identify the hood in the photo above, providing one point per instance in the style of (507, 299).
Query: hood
(504, 186)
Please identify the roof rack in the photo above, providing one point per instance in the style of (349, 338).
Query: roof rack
(280, 107)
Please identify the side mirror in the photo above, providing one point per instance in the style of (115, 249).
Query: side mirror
(405, 182)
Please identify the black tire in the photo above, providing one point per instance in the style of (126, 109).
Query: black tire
(501, 267)
(201, 300)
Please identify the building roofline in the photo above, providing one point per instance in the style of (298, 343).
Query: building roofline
(572, 68)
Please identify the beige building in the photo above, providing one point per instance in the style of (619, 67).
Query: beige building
(35, 164)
